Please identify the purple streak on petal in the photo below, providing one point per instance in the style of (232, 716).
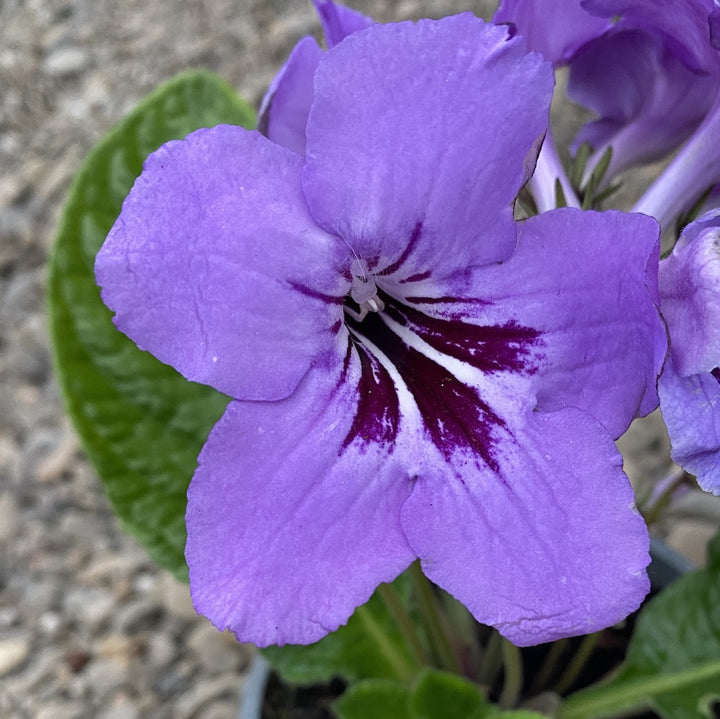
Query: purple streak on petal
(412, 241)
(378, 411)
(489, 348)
(556, 30)
(587, 282)
(552, 547)
(417, 277)
(201, 265)
(338, 21)
(445, 300)
(453, 413)
(310, 292)
(691, 409)
(690, 289)
(376, 168)
(284, 110)
(288, 533)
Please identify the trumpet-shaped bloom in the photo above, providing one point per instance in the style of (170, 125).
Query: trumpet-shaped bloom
(690, 383)
(650, 75)
(414, 374)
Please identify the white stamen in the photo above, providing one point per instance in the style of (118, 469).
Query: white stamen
(364, 290)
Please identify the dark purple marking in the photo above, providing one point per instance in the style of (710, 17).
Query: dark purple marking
(446, 301)
(453, 413)
(489, 348)
(309, 292)
(395, 266)
(378, 411)
(416, 278)
(716, 374)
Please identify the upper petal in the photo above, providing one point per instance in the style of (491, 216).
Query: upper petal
(339, 21)
(548, 545)
(284, 110)
(690, 288)
(419, 139)
(294, 511)
(216, 267)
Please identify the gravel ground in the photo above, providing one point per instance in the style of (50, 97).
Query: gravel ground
(89, 627)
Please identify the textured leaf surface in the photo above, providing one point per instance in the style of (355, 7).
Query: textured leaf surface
(141, 423)
(376, 698)
(673, 661)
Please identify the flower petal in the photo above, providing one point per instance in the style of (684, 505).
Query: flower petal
(418, 160)
(690, 286)
(691, 410)
(339, 21)
(586, 283)
(550, 546)
(284, 110)
(557, 30)
(294, 511)
(215, 266)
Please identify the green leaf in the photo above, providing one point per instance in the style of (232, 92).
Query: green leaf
(440, 695)
(673, 661)
(140, 423)
(376, 698)
(370, 645)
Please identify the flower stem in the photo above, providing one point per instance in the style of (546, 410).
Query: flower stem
(431, 613)
(549, 666)
(578, 662)
(404, 622)
(490, 664)
(667, 488)
(513, 681)
(548, 171)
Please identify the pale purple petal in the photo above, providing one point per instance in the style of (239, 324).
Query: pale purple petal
(417, 162)
(284, 110)
(586, 283)
(555, 29)
(683, 25)
(547, 546)
(648, 100)
(690, 288)
(216, 267)
(293, 517)
(339, 21)
(691, 410)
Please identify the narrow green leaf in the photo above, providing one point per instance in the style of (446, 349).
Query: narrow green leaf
(560, 200)
(577, 168)
(374, 699)
(140, 423)
(673, 661)
(601, 168)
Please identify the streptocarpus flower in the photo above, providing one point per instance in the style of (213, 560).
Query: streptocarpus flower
(690, 384)
(415, 374)
(649, 74)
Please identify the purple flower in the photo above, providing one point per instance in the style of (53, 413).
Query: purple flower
(414, 374)
(690, 383)
(650, 75)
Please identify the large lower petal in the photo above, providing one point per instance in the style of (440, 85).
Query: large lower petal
(549, 545)
(216, 267)
(294, 511)
(691, 410)
(417, 161)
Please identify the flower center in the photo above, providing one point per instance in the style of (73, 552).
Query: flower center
(363, 291)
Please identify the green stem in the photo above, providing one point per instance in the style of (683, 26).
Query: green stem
(405, 623)
(578, 662)
(490, 663)
(652, 513)
(513, 680)
(607, 701)
(404, 670)
(430, 610)
(549, 667)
